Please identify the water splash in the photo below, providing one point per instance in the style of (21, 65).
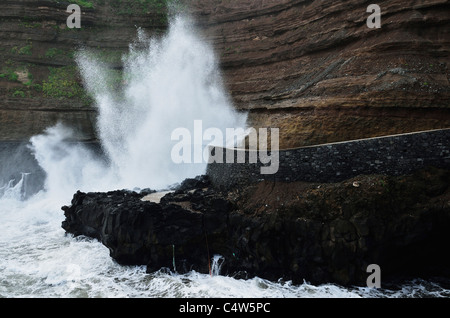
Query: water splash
(69, 166)
(216, 265)
(166, 83)
(16, 191)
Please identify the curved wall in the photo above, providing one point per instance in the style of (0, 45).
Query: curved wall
(391, 155)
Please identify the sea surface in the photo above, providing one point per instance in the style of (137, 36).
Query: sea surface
(38, 259)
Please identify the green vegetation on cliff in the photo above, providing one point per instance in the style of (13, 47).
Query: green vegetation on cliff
(31, 66)
(125, 6)
(62, 82)
(82, 3)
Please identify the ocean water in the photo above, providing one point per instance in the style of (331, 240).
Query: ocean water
(167, 83)
(38, 259)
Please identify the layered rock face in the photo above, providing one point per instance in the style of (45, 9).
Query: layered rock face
(40, 83)
(311, 68)
(315, 70)
(299, 231)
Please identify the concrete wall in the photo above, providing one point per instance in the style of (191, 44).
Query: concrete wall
(391, 155)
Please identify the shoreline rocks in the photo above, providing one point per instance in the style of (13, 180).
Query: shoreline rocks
(321, 233)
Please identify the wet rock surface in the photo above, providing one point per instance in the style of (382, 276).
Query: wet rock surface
(299, 231)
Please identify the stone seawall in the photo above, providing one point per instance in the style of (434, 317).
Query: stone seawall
(390, 155)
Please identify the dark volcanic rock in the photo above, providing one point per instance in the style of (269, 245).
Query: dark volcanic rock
(320, 233)
(143, 232)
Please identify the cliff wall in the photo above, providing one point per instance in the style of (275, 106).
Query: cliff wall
(315, 70)
(311, 68)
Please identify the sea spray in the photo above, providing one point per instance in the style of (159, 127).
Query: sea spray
(13, 191)
(217, 262)
(69, 166)
(166, 83)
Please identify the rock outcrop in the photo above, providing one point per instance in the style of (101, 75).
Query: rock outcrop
(298, 231)
(311, 68)
(315, 70)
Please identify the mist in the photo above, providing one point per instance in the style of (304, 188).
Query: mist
(166, 83)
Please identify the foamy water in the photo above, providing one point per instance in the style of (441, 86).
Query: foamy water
(168, 83)
(37, 259)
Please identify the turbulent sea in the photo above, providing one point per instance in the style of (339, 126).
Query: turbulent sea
(37, 259)
(168, 83)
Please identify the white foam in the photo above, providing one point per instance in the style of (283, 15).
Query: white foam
(169, 84)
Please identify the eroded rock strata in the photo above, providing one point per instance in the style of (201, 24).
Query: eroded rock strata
(300, 231)
(311, 68)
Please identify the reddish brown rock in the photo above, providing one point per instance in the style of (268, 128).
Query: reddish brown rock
(312, 68)
(315, 70)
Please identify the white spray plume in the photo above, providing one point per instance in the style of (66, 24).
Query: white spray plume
(167, 83)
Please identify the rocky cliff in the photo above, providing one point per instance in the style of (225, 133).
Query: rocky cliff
(312, 68)
(39, 81)
(320, 233)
